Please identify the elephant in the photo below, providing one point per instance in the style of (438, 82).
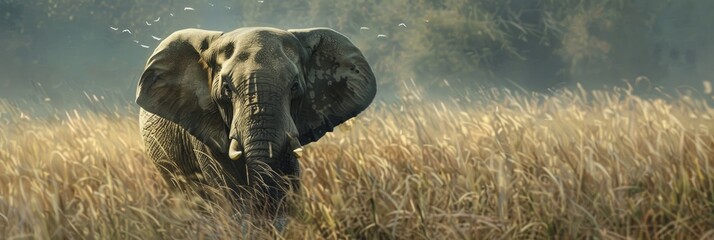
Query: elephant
(233, 109)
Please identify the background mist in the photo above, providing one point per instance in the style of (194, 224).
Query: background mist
(66, 53)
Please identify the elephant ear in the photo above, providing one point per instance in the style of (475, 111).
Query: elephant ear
(339, 83)
(175, 85)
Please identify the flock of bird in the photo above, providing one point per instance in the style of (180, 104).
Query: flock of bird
(148, 23)
(151, 22)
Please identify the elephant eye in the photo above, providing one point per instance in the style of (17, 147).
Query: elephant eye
(295, 87)
(226, 89)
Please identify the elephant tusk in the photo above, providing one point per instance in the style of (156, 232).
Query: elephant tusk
(295, 146)
(298, 153)
(233, 152)
(234, 155)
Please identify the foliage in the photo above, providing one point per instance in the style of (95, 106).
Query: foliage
(538, 43)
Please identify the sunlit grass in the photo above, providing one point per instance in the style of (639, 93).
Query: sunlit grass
(574, 164)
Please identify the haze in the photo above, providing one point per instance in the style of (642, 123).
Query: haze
(68, 53)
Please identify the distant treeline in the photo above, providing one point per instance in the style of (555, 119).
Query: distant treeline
(535, 44)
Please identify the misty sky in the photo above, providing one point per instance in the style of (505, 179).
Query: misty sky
(66, 61)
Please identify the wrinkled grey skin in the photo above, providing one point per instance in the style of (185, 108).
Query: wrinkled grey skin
(270, 90)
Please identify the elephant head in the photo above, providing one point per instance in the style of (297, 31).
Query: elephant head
(256, 95)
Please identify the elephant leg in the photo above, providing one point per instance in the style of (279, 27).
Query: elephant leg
(165, 144)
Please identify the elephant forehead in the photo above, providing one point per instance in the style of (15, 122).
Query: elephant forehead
(269, 40)
(263, 63)
(258, 37)
(266, 52)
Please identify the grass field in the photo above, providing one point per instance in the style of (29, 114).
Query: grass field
(575, 164)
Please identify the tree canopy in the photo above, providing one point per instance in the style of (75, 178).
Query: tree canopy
(537, 44)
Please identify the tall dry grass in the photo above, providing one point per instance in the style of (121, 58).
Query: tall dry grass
(574, 164)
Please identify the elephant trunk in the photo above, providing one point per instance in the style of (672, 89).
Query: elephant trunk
(268, 146)
(267, 150)
(263, 138)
